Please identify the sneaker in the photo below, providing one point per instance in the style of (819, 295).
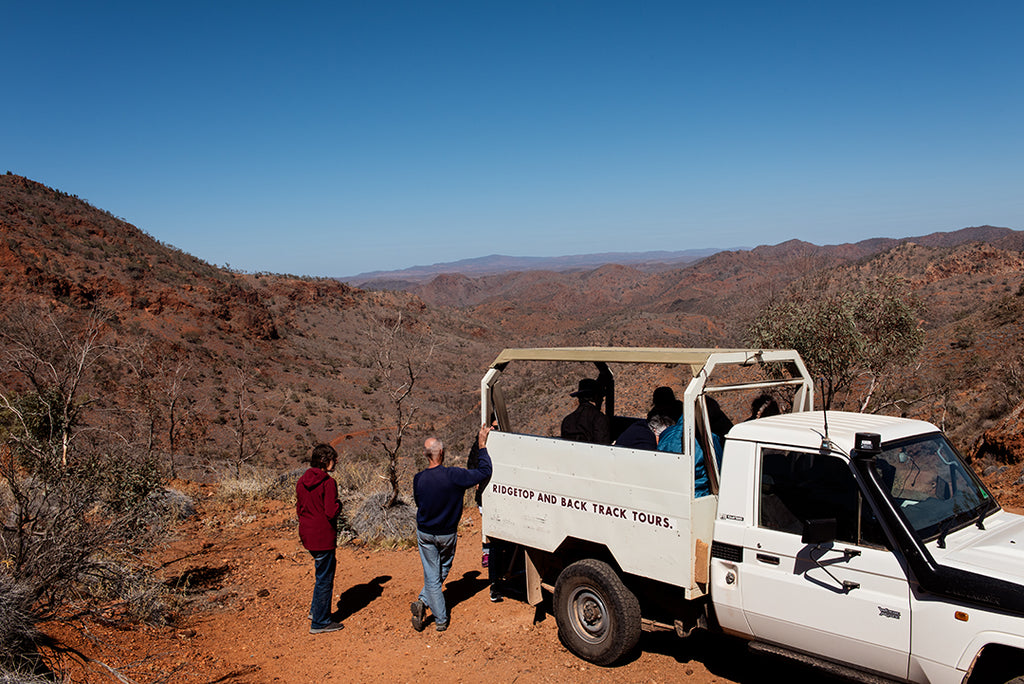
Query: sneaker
(331, 627)
(485, 559)
(495, 595)
(419, 615)
(441, 626)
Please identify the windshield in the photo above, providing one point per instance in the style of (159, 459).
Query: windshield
(932, 487)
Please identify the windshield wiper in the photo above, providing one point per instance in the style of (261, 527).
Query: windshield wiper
(943, 529)
(985, 510)
(947, 525)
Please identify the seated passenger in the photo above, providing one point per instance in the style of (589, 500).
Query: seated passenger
(720, 426)
(762, 406)
(664, 402)
(644, 434)
(587, 423)
(720, 423)
(672, 441)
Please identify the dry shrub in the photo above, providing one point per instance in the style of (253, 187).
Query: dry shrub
(359, 476)
(17, 625)
(130, 594)
(201, 588)
(64, 531)
(256, 484)
(17, 677)
(392, 526)
(171, 504)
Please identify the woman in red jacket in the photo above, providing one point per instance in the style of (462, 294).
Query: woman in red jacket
(317, 505)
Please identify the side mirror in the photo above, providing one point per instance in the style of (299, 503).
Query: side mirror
(819, 531)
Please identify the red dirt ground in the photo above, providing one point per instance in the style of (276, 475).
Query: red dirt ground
(250, 564)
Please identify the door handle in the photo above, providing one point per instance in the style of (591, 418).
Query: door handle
(770, 560)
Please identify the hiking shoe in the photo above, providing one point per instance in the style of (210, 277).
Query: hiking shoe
(441, 626)
(495, 595)
(419, 615)
(331, 627)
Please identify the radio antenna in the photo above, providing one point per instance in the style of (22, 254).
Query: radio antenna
(826, 443)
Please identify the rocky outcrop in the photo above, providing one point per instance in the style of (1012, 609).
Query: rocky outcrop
(1004, 443)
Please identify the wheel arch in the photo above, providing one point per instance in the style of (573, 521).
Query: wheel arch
(997, 663)
(573, 549)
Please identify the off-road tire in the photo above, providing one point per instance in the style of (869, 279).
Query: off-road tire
(598, 617)
(1016, 680)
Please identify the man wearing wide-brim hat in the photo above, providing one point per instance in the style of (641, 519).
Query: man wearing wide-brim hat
(587, 423)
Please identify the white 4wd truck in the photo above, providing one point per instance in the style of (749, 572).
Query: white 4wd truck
(857, 542)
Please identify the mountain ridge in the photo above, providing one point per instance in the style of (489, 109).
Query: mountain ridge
(499, 264)
(494, 264)
(304, 349)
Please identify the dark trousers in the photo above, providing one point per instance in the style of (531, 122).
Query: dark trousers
(499, 566)
(320, 608)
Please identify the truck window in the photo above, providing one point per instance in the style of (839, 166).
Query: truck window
(797, 486)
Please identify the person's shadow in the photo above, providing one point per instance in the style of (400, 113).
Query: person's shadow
(354, 599)
(470, 584)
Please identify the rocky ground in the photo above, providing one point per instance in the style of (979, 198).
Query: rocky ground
(247, 581)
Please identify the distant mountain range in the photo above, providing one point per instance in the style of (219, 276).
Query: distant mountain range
(500, 263)
(409, 279)
(304, 351)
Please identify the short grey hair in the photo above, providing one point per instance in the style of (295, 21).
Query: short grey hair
(658, 422)
(433, 447)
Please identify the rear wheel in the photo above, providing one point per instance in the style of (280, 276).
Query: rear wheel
(598, 617)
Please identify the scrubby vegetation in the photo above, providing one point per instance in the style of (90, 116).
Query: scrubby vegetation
(77, 501)
(128, 367)
(851, 338)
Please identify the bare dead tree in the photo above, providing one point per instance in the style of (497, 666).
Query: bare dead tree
(398, 361)
(247, 424)
(138, 357)
(162, 396)
(182, 409)
(49, 358)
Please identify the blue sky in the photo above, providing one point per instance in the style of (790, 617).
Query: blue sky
(333, 138)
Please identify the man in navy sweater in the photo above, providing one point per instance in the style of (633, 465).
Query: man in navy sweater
(439, 492)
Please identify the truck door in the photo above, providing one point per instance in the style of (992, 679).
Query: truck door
(847, 600)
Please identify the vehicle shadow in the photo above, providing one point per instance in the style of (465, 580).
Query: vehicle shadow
(355, 598)
(724, 656)
(729, 658)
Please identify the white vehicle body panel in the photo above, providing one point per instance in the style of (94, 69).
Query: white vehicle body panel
(857, 604)
(944, 645)
(544, 491)
(997, 551)
(781, 609)
(789, 600)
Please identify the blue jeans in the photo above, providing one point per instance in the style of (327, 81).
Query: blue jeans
(320, 608)
(437, 551)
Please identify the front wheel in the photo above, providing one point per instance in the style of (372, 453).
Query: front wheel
(598, 617)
